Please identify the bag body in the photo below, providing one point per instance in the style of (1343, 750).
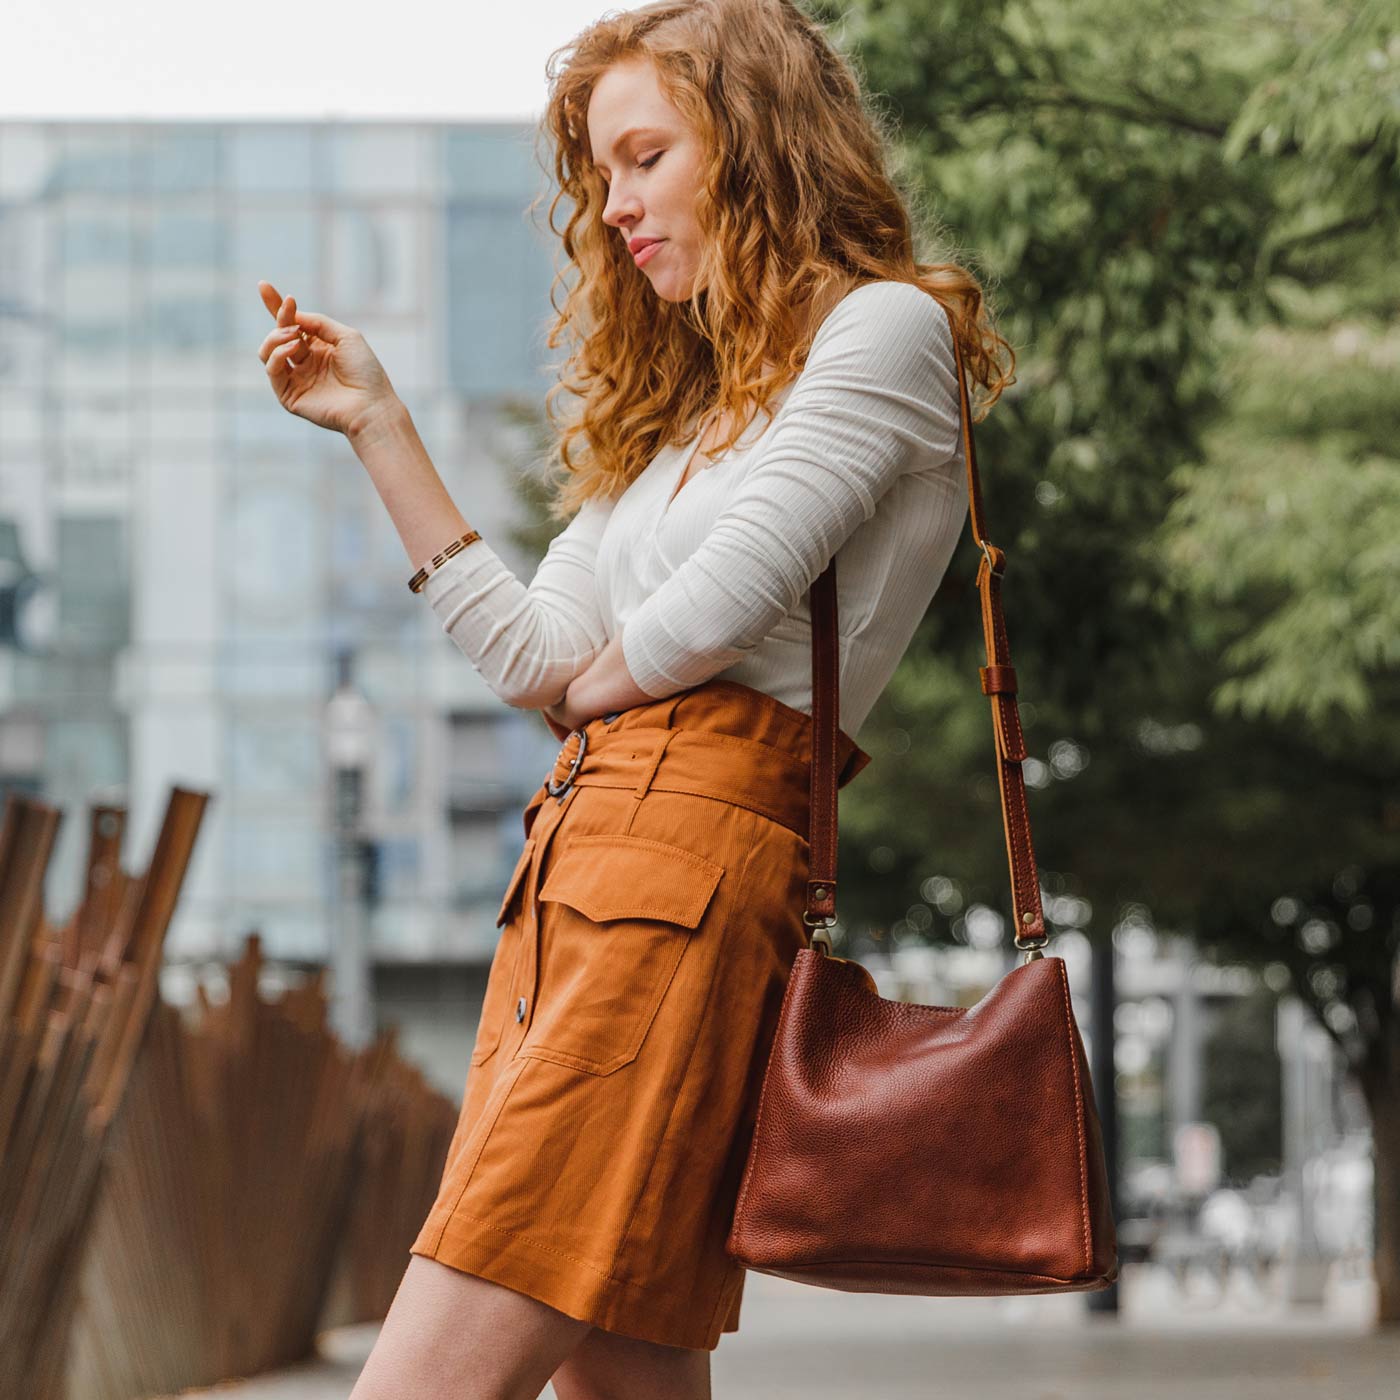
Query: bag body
(902, 1148)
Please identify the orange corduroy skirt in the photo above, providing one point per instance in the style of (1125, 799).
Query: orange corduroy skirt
(648, 932)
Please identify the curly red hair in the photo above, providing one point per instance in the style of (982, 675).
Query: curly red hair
(798, 207)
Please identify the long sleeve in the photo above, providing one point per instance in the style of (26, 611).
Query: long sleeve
(877, 398)
(527, 642)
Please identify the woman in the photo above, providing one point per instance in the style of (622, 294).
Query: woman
(740, 248)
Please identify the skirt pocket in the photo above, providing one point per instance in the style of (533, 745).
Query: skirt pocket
(616, 915)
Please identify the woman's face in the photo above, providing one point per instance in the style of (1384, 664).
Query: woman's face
(652, 163)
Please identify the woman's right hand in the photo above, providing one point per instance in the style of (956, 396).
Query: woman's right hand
(554, 717)
(321, 370)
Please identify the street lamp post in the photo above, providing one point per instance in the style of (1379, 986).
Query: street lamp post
(28, 609)
(1103, 1071)
(1305, 1051)
(350, 730)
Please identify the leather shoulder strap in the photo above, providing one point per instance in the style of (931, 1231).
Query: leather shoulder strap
(998, 678)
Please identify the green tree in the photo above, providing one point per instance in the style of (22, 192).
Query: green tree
(1185, 215)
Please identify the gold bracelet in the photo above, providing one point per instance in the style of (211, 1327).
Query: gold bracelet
(415, 584)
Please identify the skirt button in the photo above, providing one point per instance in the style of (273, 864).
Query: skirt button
(520, 1009)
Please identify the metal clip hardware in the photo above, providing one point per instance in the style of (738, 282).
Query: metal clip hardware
(560, 789)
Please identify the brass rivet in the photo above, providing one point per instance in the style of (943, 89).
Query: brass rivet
(819, 892)
(1028, 917)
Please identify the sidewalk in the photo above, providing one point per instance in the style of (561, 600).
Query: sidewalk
(819, 1344)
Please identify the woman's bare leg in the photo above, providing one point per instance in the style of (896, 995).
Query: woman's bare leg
(606, 1366)
(450, 1335)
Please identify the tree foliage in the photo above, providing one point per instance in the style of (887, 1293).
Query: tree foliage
(1184, 215)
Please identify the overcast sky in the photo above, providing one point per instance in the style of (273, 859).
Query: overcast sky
(293, 58)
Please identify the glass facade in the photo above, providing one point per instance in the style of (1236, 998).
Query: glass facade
(192, 559)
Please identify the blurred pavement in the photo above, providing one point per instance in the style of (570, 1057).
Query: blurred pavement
(819, 1344)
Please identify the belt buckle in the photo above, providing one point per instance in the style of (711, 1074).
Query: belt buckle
(568, 782)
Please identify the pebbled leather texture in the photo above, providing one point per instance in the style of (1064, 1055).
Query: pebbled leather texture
(901, 1148)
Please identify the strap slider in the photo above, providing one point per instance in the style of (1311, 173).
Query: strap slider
(997, 680)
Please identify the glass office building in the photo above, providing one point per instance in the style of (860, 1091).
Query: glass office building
(181, 559)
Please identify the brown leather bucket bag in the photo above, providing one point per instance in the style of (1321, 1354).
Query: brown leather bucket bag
(901, 1148)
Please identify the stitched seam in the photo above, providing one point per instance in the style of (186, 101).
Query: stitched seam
(522, 863)
(721, 1301)
(750, 804)
(807, 1264)
(1009, 829)
(711, 738)
(480, 1052)
(483, 1051)
(713, 795)
(602, 909)
(629, 911)
(644, 782)
(469, 1170)
(1022, 867)
(1014, 827)
(615, 1062)
(736, 900)
(601, 1068)
(543, 1248)
(1078, 1117)
(682, 934)
(758, 697)
(608, 838)
(1012, 710)
(785, 713)
(762, 1096)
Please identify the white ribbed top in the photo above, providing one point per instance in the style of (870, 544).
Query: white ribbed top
(863, 457)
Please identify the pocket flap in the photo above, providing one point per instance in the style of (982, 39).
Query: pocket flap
(632, 877)
(513, 884)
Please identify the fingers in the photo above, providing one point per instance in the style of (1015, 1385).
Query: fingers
(301, 346)
(284, 336)
(323, 326)
(279, 360)
(280, 347)
(284, 310)
(287, 320)
(298, 347)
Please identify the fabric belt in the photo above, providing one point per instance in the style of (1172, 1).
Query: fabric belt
(703, 763)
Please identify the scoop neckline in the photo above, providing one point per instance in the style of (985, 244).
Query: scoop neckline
(691, 445)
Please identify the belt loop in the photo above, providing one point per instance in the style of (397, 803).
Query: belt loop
(644, 783)
(666, 717)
